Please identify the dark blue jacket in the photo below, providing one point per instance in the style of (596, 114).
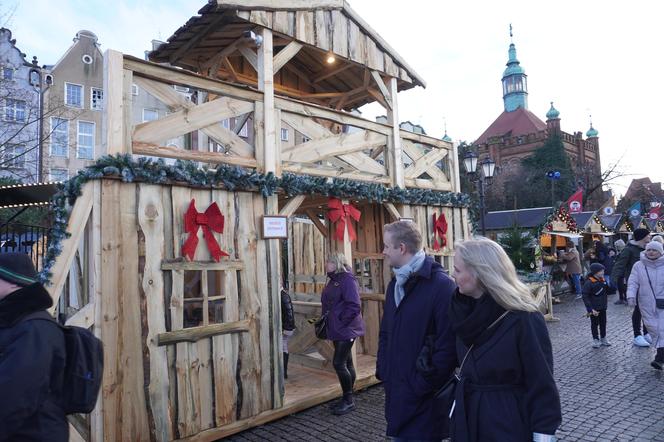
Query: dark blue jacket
(595, 293)
(32, 360)
(341, 301)
(507, 391)
(409, 407)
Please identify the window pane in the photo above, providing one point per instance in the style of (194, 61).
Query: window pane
(216, 311)
(74, 95)
(192, 284)
(150, 115)
(97, 99)
(86, 140)
(215, 283)
(59, 137)
(284, 134)
(193, 314)
(58, 174)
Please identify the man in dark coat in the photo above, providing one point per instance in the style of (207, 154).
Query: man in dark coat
(620, 275)
(32, 357)
(415, 316)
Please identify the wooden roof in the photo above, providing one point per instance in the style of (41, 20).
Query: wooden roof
(322, 26)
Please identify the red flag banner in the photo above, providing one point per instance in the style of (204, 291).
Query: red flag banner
(210, 220)
(342, 215)
(655, 213)
(439, 230)
(575, 202)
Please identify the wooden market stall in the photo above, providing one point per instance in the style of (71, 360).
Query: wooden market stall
(263, 91)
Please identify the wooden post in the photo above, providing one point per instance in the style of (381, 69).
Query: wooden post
(454, 163)
(268, 161)
(113, 131)
(348, 252)
(394, 150)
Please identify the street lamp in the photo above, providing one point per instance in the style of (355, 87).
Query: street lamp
(481, 180)
(553, 175)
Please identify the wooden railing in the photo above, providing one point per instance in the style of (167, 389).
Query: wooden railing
(225, 123)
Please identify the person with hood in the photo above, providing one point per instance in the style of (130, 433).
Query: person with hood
(32, 357)
(415, 327)
(645, 287)
(506, 389)
(621, 271)
(595, 294)
(343, 309)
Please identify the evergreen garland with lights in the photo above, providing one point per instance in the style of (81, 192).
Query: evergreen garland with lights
(601, 224)
(231, 178)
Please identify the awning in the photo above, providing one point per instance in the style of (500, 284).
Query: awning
(25, 195)
(600, 233)
(565, 234)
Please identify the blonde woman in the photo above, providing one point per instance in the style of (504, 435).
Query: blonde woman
(506, 390)
(342, 305)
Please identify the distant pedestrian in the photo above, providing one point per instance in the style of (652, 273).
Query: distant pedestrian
(572, 259)
(32, 357)
(608, 268)
(621, 271)
(619, 246)
(506, 390)
(287, 326)
(343, 309)
(595, 294)
(658, 238)
(646, 289)
(415, 326)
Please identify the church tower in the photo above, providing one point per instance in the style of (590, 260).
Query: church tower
(515, 85)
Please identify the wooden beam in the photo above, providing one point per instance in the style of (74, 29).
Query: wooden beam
(394, 152)
(229, 67)
(331, 73)
(317, 222)
(113, 112)
(194, 155)
(334, 173)
(292, 205)
(266, 84)
(345, 143)
(251, 56)
(392, 210)
(285, 55)
(194, 334)
(379, 98)
(85, 317)
(200, 35)
(216, 59)
(382, 88)
(425, 163)
(279, 5)
(240, 122)
(182, 264)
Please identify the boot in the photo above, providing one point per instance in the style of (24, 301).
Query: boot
(346, 405)
(285, 365)
(658, 363)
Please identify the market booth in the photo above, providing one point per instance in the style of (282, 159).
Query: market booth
(182, 264)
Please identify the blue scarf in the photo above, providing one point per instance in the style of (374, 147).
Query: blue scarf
(403, 273)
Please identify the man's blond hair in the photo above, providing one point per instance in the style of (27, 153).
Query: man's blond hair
(405, 232)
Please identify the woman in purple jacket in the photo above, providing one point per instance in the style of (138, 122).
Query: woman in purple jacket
(341, 303)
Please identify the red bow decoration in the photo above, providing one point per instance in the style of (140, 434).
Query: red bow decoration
(211, 219)
(342, 214)
(439, 229)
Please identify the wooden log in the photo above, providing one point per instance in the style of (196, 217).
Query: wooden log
(394, 151)
(96, 417)
(382, 88)
(150, 218)
(332, 172)
(194, 155)
(194, 334)
(85, 317)
(292, 205)
(285, 55)
(317, 222)
(182, 264)
(277, 5)
(425, 163)
(338, 145)
(113, 129)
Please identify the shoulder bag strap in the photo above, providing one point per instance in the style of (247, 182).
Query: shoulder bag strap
(650, 283)
(458, 373)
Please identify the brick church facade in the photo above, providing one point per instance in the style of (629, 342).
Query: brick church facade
(517, 133)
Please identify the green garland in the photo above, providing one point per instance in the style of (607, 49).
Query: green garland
(231, 178)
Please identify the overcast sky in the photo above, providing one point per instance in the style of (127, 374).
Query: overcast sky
(589, 57)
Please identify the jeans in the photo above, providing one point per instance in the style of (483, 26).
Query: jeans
(637, 320)
(576, 280)
(596, 322)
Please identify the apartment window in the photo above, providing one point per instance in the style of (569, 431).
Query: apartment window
(226, 124)
(14, 110)
(7, 73)
(96, 98)
(244, 132)
(59, 137)
(57, 174)
(134, 89)
(150, 115)
(86, 140)
(180, 88)
(284, 134)
(12, 156)
(73, 95)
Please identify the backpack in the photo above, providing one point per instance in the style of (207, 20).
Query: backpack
(84, 366)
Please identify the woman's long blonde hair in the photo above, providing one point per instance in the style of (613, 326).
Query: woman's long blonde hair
(496, 273)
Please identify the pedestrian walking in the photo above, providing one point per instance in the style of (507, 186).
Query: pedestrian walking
(506, 389)
(595, 294)
(287, 326)
(619, 246)
(646, 289)
(32, 357)
(621, 272)
(343, 309)
(572, 259)
(414, 332)
(620, 284)
(608, 268)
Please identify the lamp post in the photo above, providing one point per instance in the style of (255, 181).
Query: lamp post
(480, 178)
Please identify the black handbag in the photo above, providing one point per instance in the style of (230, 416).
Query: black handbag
(320, 327)
(659, 303)
(445, 396)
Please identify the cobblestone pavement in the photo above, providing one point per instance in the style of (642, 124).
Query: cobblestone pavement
(607, 394)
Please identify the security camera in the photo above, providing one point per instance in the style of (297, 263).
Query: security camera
(251, 35)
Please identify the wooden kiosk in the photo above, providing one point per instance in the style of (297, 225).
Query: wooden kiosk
(192, 346)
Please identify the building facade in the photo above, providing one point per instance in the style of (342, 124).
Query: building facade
(518, 132)
(21, 112)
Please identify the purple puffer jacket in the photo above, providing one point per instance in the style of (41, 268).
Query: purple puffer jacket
(341, 300)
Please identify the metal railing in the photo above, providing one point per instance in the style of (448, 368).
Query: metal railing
(23, 238)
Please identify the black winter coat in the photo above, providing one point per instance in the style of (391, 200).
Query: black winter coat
(595, 293)
(507, 391)
(409, 406)
(287, 315)
(622, 267)
(32, 360)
